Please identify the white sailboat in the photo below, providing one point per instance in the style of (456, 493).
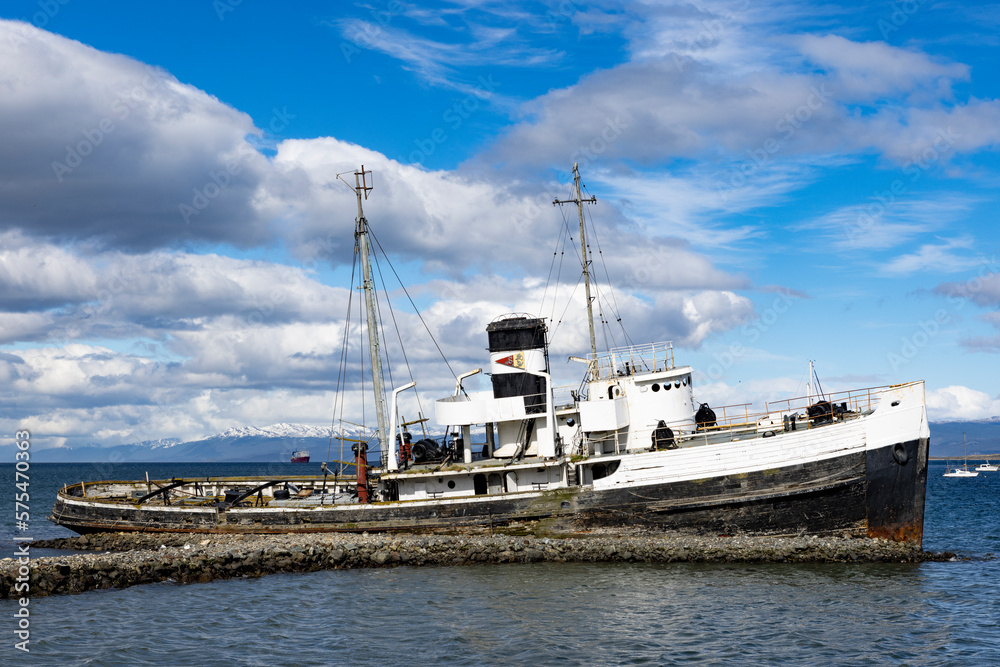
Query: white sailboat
(964, 470)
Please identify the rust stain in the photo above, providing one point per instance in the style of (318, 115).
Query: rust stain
(900, 532)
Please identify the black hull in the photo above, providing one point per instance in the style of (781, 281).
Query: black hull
(878, 493)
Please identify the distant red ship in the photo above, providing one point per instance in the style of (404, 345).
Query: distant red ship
(301, 456)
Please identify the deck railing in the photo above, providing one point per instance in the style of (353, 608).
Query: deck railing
(855, 400)
(648, 358)
(735, 422)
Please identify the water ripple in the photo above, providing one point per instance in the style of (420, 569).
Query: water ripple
(572, 614)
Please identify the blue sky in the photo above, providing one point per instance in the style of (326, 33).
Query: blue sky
(777, 182)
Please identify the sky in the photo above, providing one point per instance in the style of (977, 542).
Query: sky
(776, 182)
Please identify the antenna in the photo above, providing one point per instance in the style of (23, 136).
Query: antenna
(360, 181)
(360, 186)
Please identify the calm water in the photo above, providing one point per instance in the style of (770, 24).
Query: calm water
(539, 614)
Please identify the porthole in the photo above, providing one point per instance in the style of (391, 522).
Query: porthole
(684, 382)
(666, 386)
(451, 484)
(677, 384)
(656, 386)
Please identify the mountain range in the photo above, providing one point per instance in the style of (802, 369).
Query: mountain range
(983, 436)
(277, 442)
(235, 445)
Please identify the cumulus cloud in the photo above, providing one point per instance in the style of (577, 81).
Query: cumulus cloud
(63, 294)
(227, 328)
(957, 403)
(702, 84)
(111, 171)
(37, 276)
(100, 146)
(452, 222)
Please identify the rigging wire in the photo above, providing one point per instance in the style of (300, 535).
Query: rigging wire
(613, 303)
(338, 398)
(384, 360)
(798, 387)
(568, 239)
(399, 335)
(560, 252)
(412, 303)
(384, 357)
(569, 302)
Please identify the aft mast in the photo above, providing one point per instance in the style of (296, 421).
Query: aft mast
(360, 188)
(579, 201)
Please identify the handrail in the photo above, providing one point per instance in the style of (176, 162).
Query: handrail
(648, 358)
(856, 403)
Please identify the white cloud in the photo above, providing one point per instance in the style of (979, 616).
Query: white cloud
(938, 258)
(437, 61)
(708, 84)
(205, 375)
(890, 217)
(39, 275)
(162, 343)
(959, 403)
(83, 128)
(982, 289)
(866, 70)
(452, 222)
(15, 327)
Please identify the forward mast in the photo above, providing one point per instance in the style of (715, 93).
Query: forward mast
(361, 189)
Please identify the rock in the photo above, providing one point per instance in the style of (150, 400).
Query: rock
(138, 558)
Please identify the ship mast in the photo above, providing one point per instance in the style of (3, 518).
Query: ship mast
(360, 188)
(814, 389)
(579, 201)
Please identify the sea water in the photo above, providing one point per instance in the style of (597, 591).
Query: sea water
(939, 613)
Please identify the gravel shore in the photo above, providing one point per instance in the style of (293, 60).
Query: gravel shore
(129, 559)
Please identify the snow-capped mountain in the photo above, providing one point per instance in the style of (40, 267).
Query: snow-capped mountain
(276, 431)
(158, 444)
(239, 444)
